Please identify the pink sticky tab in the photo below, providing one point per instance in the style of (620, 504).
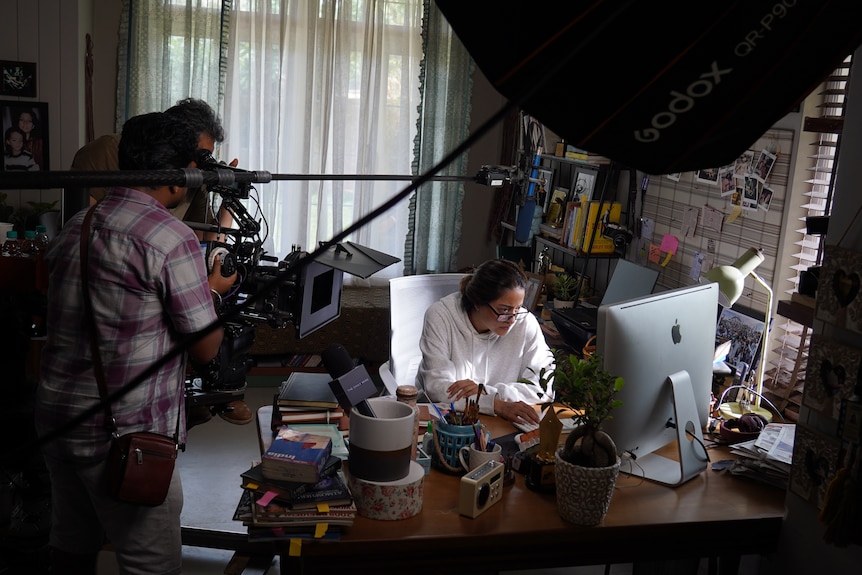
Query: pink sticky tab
(669, 244)
(266, 498)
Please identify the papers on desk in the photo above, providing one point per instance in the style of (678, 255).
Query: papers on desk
(768, 457)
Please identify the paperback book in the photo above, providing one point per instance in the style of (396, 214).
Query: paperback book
(296, 456)
(253, 479)
(331, 490)
(275, 514)
(339, 446)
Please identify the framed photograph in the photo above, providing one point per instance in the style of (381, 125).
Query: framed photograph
(744, 327)
(25, 135)
(584, 182)
(18, 79)
(545, 181)
(534, 290)
(557, 206)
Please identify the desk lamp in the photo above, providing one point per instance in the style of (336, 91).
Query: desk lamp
(731, 281)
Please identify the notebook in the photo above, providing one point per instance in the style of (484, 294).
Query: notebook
(628, 281)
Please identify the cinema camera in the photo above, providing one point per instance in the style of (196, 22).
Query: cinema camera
(306, 294)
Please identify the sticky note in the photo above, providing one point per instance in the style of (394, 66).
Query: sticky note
(669, 243)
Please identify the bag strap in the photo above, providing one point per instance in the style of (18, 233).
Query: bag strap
(89, 315)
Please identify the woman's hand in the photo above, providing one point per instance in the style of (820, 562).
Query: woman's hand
(462, 389)
(516, 411)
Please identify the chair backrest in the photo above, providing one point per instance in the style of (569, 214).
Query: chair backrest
(409, 297)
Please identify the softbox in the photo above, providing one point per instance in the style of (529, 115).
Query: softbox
(660, 86)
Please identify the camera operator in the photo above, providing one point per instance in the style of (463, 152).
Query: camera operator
(101, 155)
(148, 291)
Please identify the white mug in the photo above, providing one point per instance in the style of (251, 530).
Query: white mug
(471, 458)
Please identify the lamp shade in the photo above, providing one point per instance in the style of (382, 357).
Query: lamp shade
(731, 279)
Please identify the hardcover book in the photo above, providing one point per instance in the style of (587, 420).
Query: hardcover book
(253, 479)
(296, 456)
(306, 389)
(286, 415)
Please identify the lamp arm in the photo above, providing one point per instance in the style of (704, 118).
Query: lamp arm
(765, 348)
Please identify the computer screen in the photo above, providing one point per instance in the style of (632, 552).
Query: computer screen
(628, 281)
(662, 345)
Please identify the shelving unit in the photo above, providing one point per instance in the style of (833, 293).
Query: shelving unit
(566, 171)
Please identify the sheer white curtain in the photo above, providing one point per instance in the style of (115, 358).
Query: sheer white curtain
(169, 50)
(325, 87)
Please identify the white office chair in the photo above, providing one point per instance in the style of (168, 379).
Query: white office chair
(409, 297)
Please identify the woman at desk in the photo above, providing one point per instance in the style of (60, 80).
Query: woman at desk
(481, 334)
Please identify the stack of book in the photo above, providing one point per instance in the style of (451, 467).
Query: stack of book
(297, 489)
(769, 457)
(275, 510)
(305, 397)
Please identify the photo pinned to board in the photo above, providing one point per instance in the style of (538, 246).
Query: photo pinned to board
(764, 164)
(707, 176)
(743, 164)
(765, 198)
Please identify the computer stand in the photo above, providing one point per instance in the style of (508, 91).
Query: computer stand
(689, 438)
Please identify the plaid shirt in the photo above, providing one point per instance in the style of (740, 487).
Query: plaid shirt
(149, 290)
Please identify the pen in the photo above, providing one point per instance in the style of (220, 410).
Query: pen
(439, 413)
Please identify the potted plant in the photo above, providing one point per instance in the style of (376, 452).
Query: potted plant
(565, 286)
(586, 466)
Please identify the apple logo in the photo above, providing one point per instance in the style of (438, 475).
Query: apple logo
(675, 333)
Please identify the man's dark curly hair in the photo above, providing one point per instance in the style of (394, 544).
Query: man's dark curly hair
(157, 141)
(201, 116)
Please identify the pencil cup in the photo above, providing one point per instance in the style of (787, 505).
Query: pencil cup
(380, 446)
(471, 458)
(448, 439)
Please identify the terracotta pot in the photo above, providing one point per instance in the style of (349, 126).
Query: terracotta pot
(584, 493)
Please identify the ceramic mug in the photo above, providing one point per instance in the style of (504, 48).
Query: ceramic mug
(471, 458)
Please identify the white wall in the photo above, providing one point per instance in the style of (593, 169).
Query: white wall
(50, 33)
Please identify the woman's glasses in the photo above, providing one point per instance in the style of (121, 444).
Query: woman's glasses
(517, 313)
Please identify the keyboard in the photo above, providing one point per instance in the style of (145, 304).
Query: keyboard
(526, 427)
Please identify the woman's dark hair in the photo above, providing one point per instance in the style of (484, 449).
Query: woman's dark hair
(489, 281)
(157, 141)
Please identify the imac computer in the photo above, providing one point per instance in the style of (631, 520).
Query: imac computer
(662, 345)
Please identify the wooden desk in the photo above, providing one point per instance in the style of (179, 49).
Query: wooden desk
(646, 521)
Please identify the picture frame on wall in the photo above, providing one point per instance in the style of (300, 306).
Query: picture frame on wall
(17, 79)
(27, 122)
(584, 182)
